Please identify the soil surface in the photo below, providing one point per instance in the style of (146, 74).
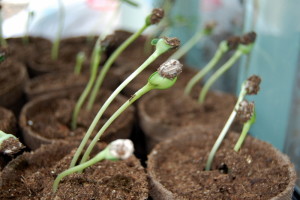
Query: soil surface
(8, 122)
(252, 173)
(51, 117)
(173, 108)
(34, 174)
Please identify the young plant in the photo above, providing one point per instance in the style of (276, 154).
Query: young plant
(116, 150)
(3, 42)
(245, 47)
(249, 87)
(208, 29)
(154, 18)
(80, 58)
(164, 78)
(224, 47)
(96, 57)
(55, 45)
(26, 35)
(162, 45)
(247, 116)
(9, 144)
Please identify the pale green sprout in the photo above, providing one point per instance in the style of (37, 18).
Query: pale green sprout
(96, 57)
(56, 43)
(116, 150)
(162, 45)
(207, 30)
(249, 87)
(154, 18)
(164, 78)
(26, 35)
(80, 58)
(245, 47)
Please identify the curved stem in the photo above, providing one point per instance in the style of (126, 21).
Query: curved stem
(55, 46)
(108, 64)
(188, 45)
(100, 156)
(225, 129)
(245, 130)
(95, 63)
(218, 73)
(221, 50)
(134, 97)
(160, 49)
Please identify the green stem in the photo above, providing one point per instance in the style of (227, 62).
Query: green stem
(2, 40)
(218, 73)
(134, 97)
(159, 50)
(80, 58)
(188, 45)
(100, 156)
(108, 64)
(225, 129)
(245, 130)
(26, 35)
(96, 57)
(55, 46)
(223, 48)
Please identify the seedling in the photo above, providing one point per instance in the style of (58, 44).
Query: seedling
(247, 116)
(56, 43)
(2, 40)
(116, 150)
(164, 78)
(208, 29)
(245, 47)
(224, 47)
(80, 58)
(162, 46)
(154, 18)
(249, 87)
(26, 35)
(96, 57)
(9, 144)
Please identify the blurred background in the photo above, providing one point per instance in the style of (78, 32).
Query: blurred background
(275, 56)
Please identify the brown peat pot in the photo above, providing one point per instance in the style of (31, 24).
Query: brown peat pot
(12, 80)
(48, 117)
(8, 121)
(31, 175)
(160, 112)
(42, 62)
(256, 171)
(63, 81)
(24, 52)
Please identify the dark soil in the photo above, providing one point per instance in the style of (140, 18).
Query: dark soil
(51, 117)
(34, 174)
(8, 122)
(175, 109)
(252, 173)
